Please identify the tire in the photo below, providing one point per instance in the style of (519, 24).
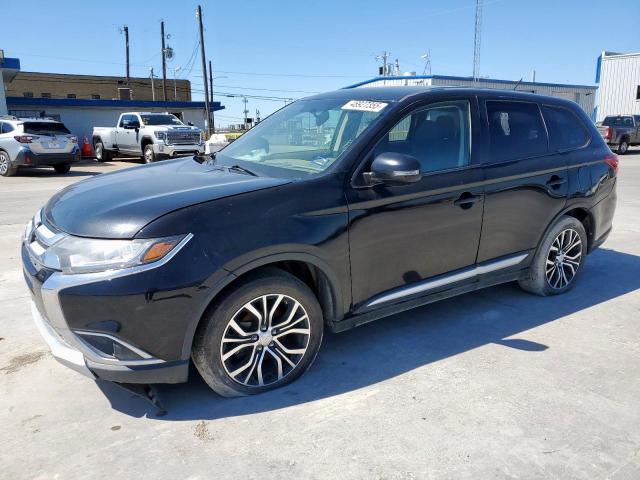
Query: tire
(102, 154)
(553, 275)
(257, 362)
(62, 168)
(148, 155)
(6, 169)
(623, 147)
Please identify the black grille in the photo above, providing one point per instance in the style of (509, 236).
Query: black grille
(183, 138)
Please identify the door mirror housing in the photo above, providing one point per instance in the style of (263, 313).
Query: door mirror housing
(129, 125)
(393, 168)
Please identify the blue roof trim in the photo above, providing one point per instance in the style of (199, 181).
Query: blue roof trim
(481, 80)
(12, 63)
(81, 102)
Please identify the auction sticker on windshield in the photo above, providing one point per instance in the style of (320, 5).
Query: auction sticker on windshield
(364, 105)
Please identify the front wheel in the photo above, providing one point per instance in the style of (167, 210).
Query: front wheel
(558, 260)
(262, 335)
(62, 168)
(149, 155)
(102, 155)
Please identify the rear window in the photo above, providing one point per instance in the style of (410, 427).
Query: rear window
(516, 130)
(566, 131)
(45, 128)
(618, 122)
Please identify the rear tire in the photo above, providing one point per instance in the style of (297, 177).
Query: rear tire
(558, 260)
(148, 155)
(102, 154)
(276, 352)
(6, 169)
(623, 147)
(62, 168)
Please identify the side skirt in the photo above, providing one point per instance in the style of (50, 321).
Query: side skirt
(484, 281)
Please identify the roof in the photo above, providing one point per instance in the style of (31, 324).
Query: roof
(470, 79)
(128, 104)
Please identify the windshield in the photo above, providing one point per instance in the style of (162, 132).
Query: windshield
(304, 138)
(45, 128)
(161, 119)
(618, 122)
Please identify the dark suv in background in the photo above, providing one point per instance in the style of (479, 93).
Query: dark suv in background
(335, 211)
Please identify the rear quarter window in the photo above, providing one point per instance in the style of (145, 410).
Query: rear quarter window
(516, 130)
(566, 130)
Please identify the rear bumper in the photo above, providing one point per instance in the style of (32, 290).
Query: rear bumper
(27, 158)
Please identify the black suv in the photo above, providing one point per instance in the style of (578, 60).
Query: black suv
(335, 211)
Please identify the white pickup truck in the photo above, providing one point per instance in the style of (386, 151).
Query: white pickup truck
(153, 136)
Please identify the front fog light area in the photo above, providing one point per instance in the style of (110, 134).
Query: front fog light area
(110, 347)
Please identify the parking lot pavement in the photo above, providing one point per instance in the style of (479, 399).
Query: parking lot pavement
(493, 384)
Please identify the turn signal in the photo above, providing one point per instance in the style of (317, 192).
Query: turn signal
(159, 250)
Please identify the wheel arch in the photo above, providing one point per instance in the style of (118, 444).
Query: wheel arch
(309, 269)
(146, 140)
(579, 212)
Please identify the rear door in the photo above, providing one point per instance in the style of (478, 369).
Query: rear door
(526, 183)
(48, 137)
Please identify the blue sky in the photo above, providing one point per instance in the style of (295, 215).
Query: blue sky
(293, 48)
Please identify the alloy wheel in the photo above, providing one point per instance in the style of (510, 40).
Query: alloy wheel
(4, 164)
(265, 340)
(99, 151)
(148, 155)
(563, 259)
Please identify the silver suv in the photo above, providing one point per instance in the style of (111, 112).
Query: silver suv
(35, 142)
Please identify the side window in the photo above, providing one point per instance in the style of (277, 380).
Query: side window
(6, 127)
(566, 131)
(628, 122)
(122, 119)
(438, 136)
(516, 130)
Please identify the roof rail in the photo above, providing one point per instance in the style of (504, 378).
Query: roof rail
(8, 117)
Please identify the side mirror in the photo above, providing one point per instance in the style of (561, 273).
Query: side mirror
(393, 168)
(129, 125)
(190, 124)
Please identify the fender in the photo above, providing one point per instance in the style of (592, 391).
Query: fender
(225, 275)
(580, 205)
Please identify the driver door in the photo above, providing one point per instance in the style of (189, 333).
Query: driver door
(402, 236)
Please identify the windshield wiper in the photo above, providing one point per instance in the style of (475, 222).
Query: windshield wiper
(238, 168)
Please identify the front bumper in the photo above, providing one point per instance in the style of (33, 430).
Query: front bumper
(27, 158)
(171, 150)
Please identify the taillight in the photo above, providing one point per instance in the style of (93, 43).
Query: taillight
(612, 161)
(609, 133)
(25, 138)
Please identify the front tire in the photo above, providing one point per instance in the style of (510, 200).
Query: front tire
(62, 168)
(262, 335)
(148, 155)
(6, 169)
(558, 260)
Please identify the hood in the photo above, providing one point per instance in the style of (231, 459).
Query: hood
(119, 204)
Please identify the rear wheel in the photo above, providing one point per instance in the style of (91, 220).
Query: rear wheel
(558, 260)
(102, 155)
(6, 169)
(262, 335)
(148, 155)
(623, 147)
(62, 168)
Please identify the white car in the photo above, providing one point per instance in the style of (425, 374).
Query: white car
(35, 142)
(153, 136)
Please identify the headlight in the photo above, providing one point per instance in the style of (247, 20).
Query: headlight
(84, 255)
(161, 136)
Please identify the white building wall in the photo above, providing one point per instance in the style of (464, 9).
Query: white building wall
(619, 83)
(582, 95)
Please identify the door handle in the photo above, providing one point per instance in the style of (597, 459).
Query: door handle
(556, 182)
(467, 200)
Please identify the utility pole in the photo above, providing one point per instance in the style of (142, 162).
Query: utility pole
(153, 89)
(164, 63)
(125, 29)
(207, 111)
(246, 112)
(477, 42)
(385, 59)
(213, 122)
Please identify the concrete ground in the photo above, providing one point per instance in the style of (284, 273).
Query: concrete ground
(493, 384)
